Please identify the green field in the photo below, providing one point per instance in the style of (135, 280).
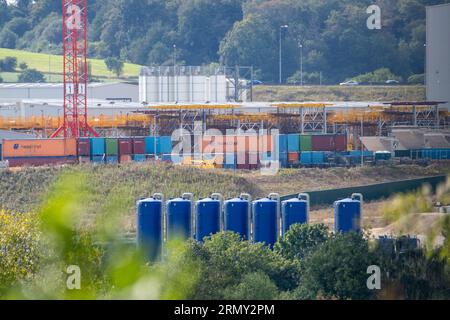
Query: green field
(338, 93)
(40, 61)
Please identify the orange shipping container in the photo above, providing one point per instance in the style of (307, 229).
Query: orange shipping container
(39, 148)
(236, 144)
(293, 157)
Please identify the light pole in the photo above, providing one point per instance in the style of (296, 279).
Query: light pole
(301, 63)
(281, 57)
(174, 55)
(49, 63)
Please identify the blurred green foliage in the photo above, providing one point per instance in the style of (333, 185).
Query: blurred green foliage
(309, 263)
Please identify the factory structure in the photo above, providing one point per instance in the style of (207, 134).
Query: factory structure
(137, 117)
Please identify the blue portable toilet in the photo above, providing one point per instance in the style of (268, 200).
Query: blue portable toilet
(237, 214)
(208, 214)
(348, 214)
(294, 211)
(265, 218)
(179, 217)
(149, 225)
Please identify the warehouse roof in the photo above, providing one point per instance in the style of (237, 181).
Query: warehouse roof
(14, 135)
(57, 85)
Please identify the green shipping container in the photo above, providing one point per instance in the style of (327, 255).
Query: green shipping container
(111, 146)
(305, 143)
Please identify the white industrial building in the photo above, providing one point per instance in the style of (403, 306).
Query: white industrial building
(123, 92)
(187, 84)
(438, 53)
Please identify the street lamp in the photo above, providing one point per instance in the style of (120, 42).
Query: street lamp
(174, 55)
(281, 57)
(301, 63)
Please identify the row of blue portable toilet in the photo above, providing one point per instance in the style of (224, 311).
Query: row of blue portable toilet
(261, 221)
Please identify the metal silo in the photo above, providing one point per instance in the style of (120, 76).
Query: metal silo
(237, 215)
(294, 211)
(179, 217)
(348, 214)
(208, 213)
(149, 225)
(266, 220)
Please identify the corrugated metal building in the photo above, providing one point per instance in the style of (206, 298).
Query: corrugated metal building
(438, 53)
(123, 92)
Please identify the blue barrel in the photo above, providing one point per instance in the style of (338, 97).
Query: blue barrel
(179, 215)
(236, 217)
(293, 211)
(265, 226)
(207, 218)
(149, 227)
(347, 215)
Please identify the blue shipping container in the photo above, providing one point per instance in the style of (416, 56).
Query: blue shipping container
(97, 146)
(150, 145)
(139, 158)
(98, 159)
(318, 157)
(112, 160)
(282, 144)
(306, 158)
(293, 143)
(165, 145)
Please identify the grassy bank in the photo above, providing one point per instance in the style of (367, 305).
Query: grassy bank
(40, 62)
(338, 93)
(24, 190)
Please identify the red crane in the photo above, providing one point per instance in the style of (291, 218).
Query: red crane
(75, 122)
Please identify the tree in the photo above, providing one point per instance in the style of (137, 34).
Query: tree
(337, 269)
(23, 66)
(254, 286)
(301, 240)
(18, 25)
(114, 65)
(31, 76)
(378, 76)
(8, 64)
(8, 39)
(225, 260)
(1, 79)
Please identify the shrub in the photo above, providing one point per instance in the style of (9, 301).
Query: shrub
(31, 76)
(19, 253)
(417, 79)
(337, 269)
(301, 240)
(254, 286)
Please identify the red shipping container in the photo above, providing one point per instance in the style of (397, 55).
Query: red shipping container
(293, 157)
(40, 161)
(139, 146)
(84, 160)
(323, 143)
(125, 147)
(340, 142)
(84, 147)
(125, 159)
